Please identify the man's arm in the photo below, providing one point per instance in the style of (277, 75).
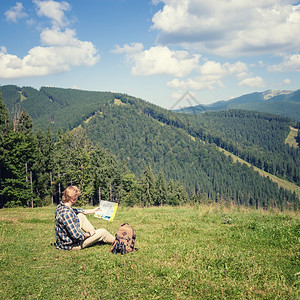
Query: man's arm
(91, 211)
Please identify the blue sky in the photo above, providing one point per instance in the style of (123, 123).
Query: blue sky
(151, 49)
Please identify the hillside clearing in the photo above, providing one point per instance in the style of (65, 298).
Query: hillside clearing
(291, 139)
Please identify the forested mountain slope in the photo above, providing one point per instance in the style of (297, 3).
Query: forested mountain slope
(256, 137)
(55, 108)
(183, 149)
(284, 103)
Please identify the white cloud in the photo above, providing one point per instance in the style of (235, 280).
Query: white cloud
(291, 63)
(48, 60)
(155, 2)
(211, 77)
(53, 10)
(209, 82)
(230, 28)
(56, 37)
(128, 49)
(252, 82)
(59, 51)
(31, 22)
(287, 81)
(215, 68)
(159, 60)
(15, 13)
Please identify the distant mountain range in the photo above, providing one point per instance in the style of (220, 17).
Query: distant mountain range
(282, 102)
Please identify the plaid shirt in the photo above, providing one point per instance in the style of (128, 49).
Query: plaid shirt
(67, 227)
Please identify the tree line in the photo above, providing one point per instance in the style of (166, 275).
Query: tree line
(116, 128)
(35, 169)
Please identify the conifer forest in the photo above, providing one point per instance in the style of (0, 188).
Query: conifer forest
(120, 148)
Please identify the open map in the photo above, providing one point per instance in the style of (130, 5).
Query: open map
(107, 210)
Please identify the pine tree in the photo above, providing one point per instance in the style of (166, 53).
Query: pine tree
(176, 193)
(72, 163)
(148, 186)
(43, 167)
(18, 153)
(5, 129)
(160, 190)
(5, 124)
(130, 190)
(105, 172)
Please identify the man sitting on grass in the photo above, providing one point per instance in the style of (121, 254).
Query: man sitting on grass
(73, 230)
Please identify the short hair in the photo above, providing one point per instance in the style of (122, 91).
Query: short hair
(71, 193)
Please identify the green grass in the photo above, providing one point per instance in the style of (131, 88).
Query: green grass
(291, 139)
(204, 252)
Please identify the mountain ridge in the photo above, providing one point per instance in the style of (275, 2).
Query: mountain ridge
(142, 133)
(280, 102)
(274, 93)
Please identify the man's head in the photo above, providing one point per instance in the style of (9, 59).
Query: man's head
(71, 194)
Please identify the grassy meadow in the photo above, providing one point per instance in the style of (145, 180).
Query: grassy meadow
(291, 139)
(187, 252)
